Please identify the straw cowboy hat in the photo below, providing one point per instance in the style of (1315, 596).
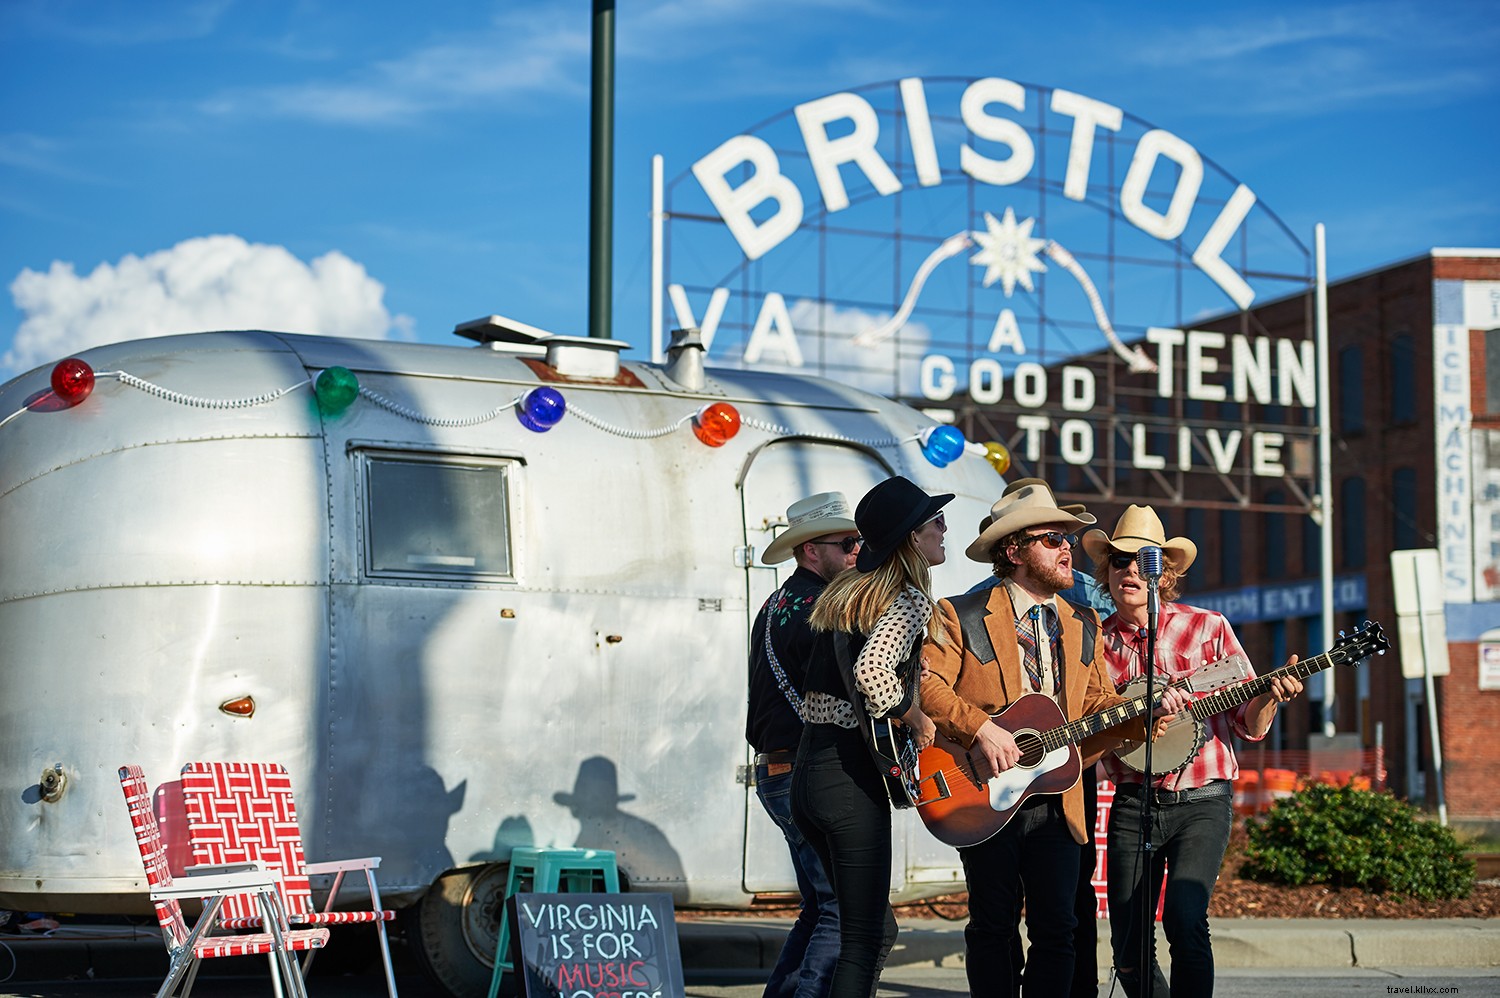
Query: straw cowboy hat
(1026, 503)
(887, 513)
(824, 513)
(1138, 527)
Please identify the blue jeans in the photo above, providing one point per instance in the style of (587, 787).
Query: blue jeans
(811, 950)
(1190, 838)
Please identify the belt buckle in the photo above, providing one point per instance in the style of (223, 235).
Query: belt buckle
(1166, 796)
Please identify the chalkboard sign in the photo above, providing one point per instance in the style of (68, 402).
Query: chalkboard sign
(596, 945)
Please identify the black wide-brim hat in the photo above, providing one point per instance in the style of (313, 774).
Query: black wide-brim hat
(887, 513)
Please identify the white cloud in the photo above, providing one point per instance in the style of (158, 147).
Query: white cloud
(212, 282)
(826, 334)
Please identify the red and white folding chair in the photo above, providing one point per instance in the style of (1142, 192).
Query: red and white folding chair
(188, 945)
(244, 812)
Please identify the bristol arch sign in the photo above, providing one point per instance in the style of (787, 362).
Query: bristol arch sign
(1039, 265)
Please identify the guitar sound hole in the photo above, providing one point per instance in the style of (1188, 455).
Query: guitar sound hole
(1031, 749)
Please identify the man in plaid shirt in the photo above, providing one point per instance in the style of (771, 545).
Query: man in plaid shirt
(1192, 810)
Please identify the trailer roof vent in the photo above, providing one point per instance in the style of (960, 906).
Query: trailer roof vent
(584, 356)
(500, 333)
(685, 359)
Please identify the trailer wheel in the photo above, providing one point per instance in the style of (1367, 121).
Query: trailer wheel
(456, 926)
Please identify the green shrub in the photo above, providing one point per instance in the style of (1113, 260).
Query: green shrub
(1356, 838)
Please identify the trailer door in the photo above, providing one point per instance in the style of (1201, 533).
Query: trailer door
(779, 475)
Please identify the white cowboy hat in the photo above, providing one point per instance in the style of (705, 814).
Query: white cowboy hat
(1139, 527)
(1030, 505)
(824, 513)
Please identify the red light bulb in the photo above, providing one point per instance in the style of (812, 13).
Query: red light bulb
(72, 380)
(716, 423)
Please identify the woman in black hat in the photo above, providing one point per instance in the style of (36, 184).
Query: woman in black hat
(876, 614)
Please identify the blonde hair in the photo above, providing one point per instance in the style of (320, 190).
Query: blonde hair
(854, 600)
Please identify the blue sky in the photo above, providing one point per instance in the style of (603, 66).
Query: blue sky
(392, 169)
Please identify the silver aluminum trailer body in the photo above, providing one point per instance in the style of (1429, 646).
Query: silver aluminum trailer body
(459, 635)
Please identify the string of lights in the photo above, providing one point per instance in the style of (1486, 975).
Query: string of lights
(538, 409)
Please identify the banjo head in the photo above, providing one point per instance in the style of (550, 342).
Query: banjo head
(1171, 752)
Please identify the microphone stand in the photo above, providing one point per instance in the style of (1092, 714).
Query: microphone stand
(1148, 560)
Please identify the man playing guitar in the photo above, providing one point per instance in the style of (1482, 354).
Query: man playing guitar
(1021, 640)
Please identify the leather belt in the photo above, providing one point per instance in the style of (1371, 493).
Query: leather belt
(787, 756)
(1215, 788)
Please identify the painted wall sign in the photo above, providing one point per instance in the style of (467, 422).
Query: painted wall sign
(982, 244)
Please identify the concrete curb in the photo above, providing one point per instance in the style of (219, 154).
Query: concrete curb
(746, 946)
(738, 943)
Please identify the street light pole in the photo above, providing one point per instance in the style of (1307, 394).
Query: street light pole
(602, 170)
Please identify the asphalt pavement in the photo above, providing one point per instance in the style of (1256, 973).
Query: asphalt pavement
(728, 957)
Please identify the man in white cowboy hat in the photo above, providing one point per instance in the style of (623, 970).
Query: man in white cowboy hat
(997, 646)
(822, 537)
(1192, 807)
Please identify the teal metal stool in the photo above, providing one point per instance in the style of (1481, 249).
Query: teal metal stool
(551, 871)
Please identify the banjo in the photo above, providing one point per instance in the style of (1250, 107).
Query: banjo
(1186, 733)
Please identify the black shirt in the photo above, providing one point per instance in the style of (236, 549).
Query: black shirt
(772, 725)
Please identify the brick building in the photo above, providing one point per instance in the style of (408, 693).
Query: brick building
(1414, 376)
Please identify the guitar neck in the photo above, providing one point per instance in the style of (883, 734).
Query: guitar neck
(1244, 692)
(1076, 731)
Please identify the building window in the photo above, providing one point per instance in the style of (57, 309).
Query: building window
(436, 517)
(1403, 379)
(1274, 546)
(1404, 534)
(1195, 531)
(1351, 517)
(1230, 567)
(1351, 390)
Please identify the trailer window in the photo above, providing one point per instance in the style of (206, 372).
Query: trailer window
(437, 518)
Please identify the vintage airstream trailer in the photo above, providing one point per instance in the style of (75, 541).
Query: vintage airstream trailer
(459, 632)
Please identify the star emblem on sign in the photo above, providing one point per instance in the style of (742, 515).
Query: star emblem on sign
(1008, 252)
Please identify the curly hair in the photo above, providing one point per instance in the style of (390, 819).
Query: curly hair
(1000, 562)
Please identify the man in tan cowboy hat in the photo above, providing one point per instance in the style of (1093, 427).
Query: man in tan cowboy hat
(821, 535)
(997, 646)
(1192, 806)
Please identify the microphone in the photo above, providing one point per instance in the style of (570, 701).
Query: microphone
(1148, 561)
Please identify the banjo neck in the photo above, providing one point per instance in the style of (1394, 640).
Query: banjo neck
(1225, 699)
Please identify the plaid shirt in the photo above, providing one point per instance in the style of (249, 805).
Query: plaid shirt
(1186, 637)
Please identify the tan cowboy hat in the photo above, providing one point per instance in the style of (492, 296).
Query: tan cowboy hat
(1027, 503)
(1139, 527)
(824, 513)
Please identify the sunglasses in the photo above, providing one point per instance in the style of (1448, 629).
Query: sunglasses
(847, 545)
(939, 520)
(1121, 561)
(1051, 539)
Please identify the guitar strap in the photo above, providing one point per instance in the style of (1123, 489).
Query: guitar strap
(793, 699)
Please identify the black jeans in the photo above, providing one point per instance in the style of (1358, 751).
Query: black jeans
(1190, 839)
(1034, 853)
(840, 805)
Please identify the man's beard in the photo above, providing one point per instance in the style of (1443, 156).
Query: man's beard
(1044, 571)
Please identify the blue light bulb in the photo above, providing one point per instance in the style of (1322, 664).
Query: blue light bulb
(943, 445)
(541, 409)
